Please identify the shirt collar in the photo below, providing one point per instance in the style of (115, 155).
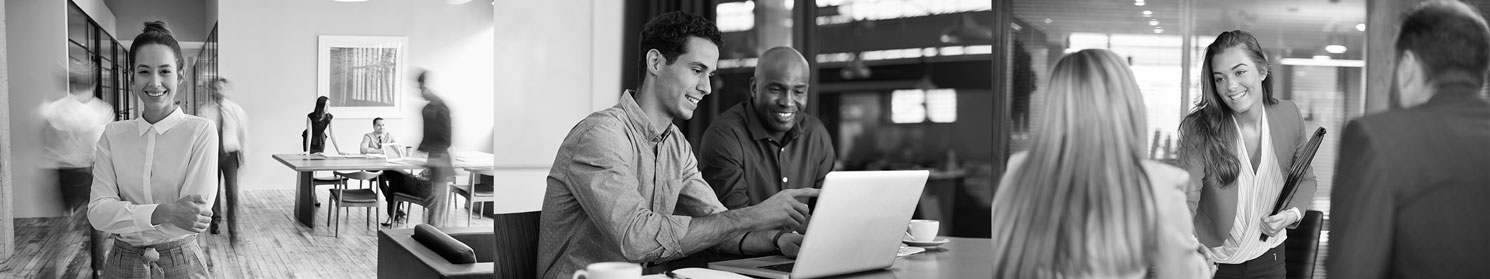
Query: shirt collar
(163, 125)
(638, 118)
(1454, 92)
(758, 129)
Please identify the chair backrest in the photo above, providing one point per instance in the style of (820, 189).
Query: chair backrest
(517, 244)
(1302, 246)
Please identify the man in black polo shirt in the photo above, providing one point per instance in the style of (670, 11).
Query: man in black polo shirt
(768, 143)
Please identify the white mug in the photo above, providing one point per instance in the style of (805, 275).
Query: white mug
(610, 270)
(923, 230)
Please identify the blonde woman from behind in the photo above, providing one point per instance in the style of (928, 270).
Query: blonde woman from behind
(1083, 202)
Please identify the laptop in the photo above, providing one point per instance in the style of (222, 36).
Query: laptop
(857, 226)
(393, 151)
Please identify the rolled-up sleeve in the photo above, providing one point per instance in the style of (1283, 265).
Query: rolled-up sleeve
(106, 211)
(605, 186)
(697, 198)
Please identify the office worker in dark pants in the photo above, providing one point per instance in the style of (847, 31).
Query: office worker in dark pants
(1412, 184)
(768, 143)
(1237, 145)
(435, 143)
(232, 124)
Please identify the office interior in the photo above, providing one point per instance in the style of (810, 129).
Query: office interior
(938, 85)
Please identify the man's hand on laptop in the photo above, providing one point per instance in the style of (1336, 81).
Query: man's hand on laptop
(783, 210)
(789, 243)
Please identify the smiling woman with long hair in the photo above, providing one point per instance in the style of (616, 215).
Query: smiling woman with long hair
(1237, 144)
(1083, 202)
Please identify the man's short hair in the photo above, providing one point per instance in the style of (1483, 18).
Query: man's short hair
(375, 120)
(1447, 36)
(81, 75)
(668, 34)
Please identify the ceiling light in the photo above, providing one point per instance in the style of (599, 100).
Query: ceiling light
(1153, 22)
(1159, 30)
(1138, 3)
(1334, 49)
(1148, 13)
(1360, 27)
(1321, 57)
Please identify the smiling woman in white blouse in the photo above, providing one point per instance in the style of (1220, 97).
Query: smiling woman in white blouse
(154, 176)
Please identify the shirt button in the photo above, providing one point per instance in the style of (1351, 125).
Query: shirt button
(783, 179)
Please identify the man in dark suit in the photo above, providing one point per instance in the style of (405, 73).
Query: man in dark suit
(1413, 184)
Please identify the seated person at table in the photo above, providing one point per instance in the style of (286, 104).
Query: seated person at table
(1084, 202)
(398, 181)
(372, 143)
(768, 143)
(625, 185)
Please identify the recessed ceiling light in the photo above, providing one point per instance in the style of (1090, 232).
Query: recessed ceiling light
(1148, 13)
(1360, 27)
(1158, 30)
(1334, 49)
(1048, 21)
(1153, 22)
(1138, 3)
(1321, 57)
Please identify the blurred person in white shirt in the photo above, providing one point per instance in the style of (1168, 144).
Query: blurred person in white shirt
(74, 123)
(232, 124)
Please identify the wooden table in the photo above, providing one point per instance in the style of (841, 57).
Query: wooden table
(305, 165)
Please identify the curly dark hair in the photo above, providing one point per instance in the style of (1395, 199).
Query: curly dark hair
(668, 34)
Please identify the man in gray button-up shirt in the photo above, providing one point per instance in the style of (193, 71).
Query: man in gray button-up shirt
(625, 185)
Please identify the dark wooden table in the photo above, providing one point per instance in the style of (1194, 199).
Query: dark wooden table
(305, 165)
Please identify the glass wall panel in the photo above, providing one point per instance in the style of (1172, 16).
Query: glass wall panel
(1315, 48)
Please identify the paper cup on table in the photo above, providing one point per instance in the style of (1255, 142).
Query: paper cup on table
(610, 270)
(923, 230)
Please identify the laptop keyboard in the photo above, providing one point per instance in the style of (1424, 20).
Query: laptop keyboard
(786, 267)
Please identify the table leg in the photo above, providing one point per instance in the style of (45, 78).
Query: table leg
(305, 200)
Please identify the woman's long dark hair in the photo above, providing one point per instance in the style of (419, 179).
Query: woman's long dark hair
(320, 112)
(1207, 133)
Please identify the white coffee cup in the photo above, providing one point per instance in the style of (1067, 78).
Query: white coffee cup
(923, 230)
(610, 270)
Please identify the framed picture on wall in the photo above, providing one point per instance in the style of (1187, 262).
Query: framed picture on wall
(362, 75)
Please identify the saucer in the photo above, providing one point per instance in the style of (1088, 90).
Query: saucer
(933, 243)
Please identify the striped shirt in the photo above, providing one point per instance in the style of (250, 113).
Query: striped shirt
(1259, 190)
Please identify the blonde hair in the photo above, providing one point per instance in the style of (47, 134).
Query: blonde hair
(1080, 205)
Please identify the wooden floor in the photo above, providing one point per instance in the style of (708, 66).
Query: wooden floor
(273, 244)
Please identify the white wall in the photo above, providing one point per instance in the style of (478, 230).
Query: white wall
(36, 45)
(268, 50)
(100, 13)
(185, 18)
(551, 78)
